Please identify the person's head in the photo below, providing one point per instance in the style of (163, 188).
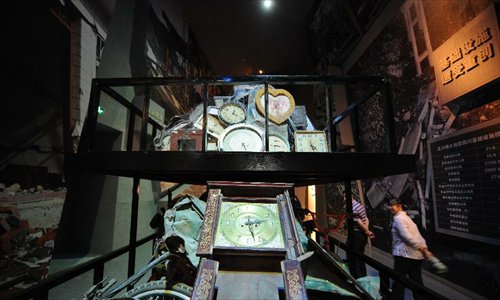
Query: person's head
(395, 206)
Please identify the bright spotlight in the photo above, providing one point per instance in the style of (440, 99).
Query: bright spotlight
(267, 4)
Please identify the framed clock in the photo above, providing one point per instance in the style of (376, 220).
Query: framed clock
(250, 227)
(214, 125)
(249, 224)
(310, 141)
(281, 104)
(233, 112)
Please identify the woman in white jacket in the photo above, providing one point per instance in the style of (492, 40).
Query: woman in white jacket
(409, 249)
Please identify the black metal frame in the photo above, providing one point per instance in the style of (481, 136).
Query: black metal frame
(262, 166)
(106, 85)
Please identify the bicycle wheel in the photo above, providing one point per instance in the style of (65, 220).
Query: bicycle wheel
(158, 288)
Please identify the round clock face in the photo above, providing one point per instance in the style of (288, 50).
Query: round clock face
(241, 137)
(232, 113)
(278, 143)
(254, 225)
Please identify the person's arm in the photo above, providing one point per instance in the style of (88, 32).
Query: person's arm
(365, 228)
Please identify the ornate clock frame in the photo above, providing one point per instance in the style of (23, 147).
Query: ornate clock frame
(247, 258)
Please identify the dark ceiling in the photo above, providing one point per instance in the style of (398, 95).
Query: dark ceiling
(240, 37)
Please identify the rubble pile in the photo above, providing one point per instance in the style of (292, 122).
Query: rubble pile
(27, 234)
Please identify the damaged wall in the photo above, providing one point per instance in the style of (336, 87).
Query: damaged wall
(402, 52)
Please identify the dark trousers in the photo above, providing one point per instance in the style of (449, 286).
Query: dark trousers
(357, 267)
(406, 267)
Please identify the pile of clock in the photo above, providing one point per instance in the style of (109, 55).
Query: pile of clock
(237, 123)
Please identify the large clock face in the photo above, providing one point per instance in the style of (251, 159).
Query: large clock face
(232, 113)
(241, 137)
(249, 225)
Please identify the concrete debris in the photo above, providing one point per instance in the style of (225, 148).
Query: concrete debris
(11, 190)
(15, 189)
(25, 251)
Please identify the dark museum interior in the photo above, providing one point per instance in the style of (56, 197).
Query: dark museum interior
(188, 149)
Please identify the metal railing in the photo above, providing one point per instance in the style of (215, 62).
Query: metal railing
(40, 291)
(386, 273)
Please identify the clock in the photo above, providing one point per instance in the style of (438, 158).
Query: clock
(278, 143)
(249, 225)
(214, 125)
(281, 104)
(310, 141)
(232, 112)
(241, 137)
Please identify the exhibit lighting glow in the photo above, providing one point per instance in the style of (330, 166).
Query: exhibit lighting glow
(267, 4)
(260, 71)
(100, 110)
(311, 202)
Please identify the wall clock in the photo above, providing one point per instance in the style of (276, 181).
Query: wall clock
(249, 225)
(241, 137)
(310, 141)
(278, 143)
(214, 125)
(281, 104)
(232, 112)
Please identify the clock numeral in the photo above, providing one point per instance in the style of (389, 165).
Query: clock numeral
(261, 240)
(250, 241)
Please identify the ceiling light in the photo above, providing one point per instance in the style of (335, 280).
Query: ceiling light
(267, 4)
(260, 71)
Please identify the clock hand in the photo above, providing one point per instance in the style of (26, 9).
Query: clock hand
(258, 222)
(251, 231)
(249, 223)
(244, 146)
(313, 148)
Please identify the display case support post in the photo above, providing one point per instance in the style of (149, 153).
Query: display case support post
(88, 134)
(389, 116)
(98, 273)
(205, 118)
(130, 132)
(144, 120)
(332, 133)
(133, 226)
(266, 104)
(350, 220)
(355, 128)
